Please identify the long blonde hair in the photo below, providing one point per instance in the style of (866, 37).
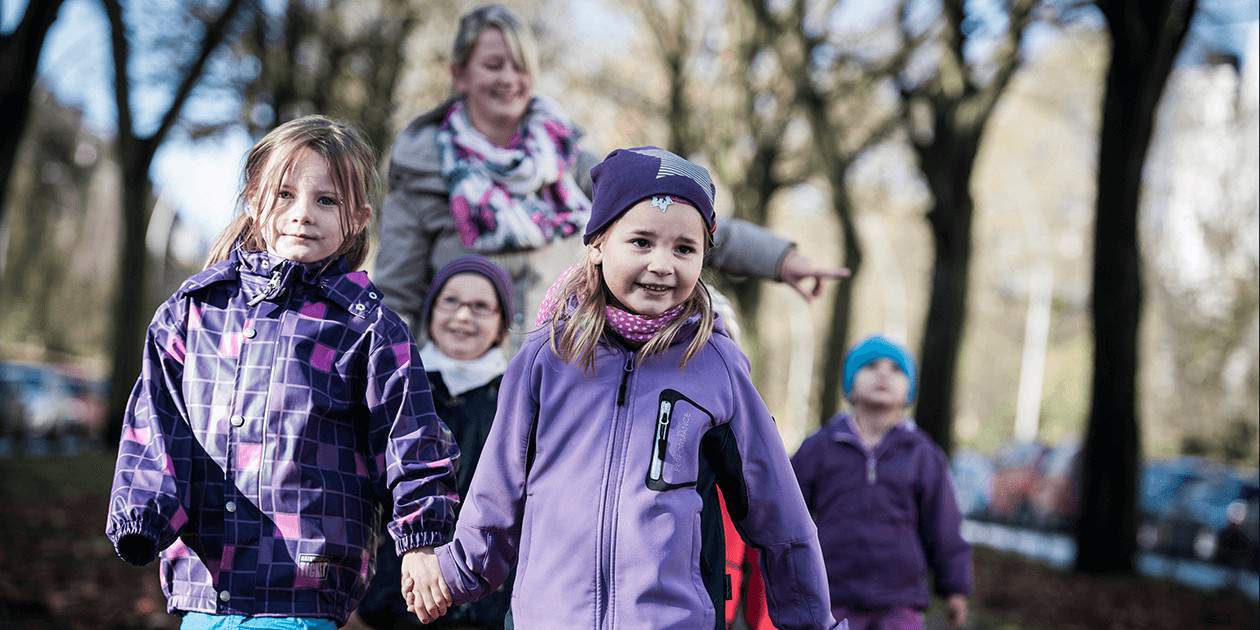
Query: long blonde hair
(351, 164)
(575, 333)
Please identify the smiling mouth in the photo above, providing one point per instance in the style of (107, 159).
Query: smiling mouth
(654, 288)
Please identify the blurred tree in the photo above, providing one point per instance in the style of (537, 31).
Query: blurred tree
(839, 95)
(742, 132)
(949, 90)
(1145, 38)
(342, 59)
(19, 57)
(135, 156)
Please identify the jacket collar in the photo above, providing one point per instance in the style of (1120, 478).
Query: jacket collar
(350, 290)
(841, 429)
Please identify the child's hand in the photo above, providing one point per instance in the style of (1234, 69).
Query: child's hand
(797, 268)
(957, 611)
(422, 585)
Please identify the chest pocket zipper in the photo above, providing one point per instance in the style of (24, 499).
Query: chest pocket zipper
(660, 439)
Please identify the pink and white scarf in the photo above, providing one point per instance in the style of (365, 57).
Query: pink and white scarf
(630, 326)
(514, 198)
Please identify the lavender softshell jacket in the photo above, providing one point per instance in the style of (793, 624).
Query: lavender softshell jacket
(885, 516)
(599, 481)
(278, 408)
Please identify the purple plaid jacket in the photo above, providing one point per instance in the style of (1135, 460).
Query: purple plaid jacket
(278, 408)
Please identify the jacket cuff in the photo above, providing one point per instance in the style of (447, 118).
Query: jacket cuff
(417, 539)
(451, 575)
(130, 538)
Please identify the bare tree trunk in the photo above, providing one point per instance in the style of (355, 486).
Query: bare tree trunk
(19, 58)
(1146, 36)
(136, 158)
(945, 323)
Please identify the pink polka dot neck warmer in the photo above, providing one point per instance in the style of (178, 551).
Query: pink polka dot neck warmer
(630, 326)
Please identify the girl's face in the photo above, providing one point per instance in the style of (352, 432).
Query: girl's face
(880, 383)
(651, 259)
(306, 220)
(466, 320)
(495, 87)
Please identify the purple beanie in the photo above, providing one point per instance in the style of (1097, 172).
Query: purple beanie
(499, 278)
(628, 176)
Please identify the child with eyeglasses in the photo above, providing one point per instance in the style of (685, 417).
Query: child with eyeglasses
(467, 321)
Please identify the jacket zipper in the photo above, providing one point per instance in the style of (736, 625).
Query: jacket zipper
(605, 551)
(660, 442)
(625, 378)
(273, 286)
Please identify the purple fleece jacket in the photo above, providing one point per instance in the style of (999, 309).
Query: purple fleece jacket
(602, 481)
(884, 517)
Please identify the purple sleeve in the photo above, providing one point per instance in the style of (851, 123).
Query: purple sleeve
(410, 443)
(776, 521)
(940, 529)
(146, 511)
(484, 549)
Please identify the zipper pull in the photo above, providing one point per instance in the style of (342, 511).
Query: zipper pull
(625, 377)
(870, 470)
(273, 286)
(662, 427)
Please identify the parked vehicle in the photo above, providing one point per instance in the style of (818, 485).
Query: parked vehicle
(90, 404)
(1191, 525)
(1017, 469)
(38, 401)
(973, 482)
(1056, 494)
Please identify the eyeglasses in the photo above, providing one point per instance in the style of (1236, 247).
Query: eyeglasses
(451, 304)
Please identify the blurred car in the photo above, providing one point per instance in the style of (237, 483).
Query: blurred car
(973, 482)
(1199, 512)
(38, 401)
(1160, 491)
(1056, 496)
(90, 403)
(1017, 470)
(1238, 543)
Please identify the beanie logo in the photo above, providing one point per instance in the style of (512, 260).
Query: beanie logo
(672, 165)
(663, 202)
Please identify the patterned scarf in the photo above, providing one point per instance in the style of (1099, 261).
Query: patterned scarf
(630, 326)
(519, 197)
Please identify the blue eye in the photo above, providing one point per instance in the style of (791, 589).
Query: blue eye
(327, 201)
(639, 242)
(685, 250)
(284, 194)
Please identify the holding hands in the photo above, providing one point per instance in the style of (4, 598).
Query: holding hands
(422, 585)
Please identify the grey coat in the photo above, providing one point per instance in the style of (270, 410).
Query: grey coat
(418, 234)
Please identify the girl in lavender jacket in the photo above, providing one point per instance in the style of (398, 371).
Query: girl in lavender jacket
(616, 423)
(280, 405)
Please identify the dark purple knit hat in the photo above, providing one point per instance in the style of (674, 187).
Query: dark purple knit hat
(628, 176)
(472, 264)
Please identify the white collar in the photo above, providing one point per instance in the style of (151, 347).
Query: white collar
(459, 375)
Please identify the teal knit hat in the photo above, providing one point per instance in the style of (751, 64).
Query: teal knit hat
(874, 348)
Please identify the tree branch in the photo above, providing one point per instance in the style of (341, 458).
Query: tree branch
(122, 86)
(1008, 55)
(216, 32)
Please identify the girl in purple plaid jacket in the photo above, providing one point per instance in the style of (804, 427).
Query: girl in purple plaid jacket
(280, 405)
